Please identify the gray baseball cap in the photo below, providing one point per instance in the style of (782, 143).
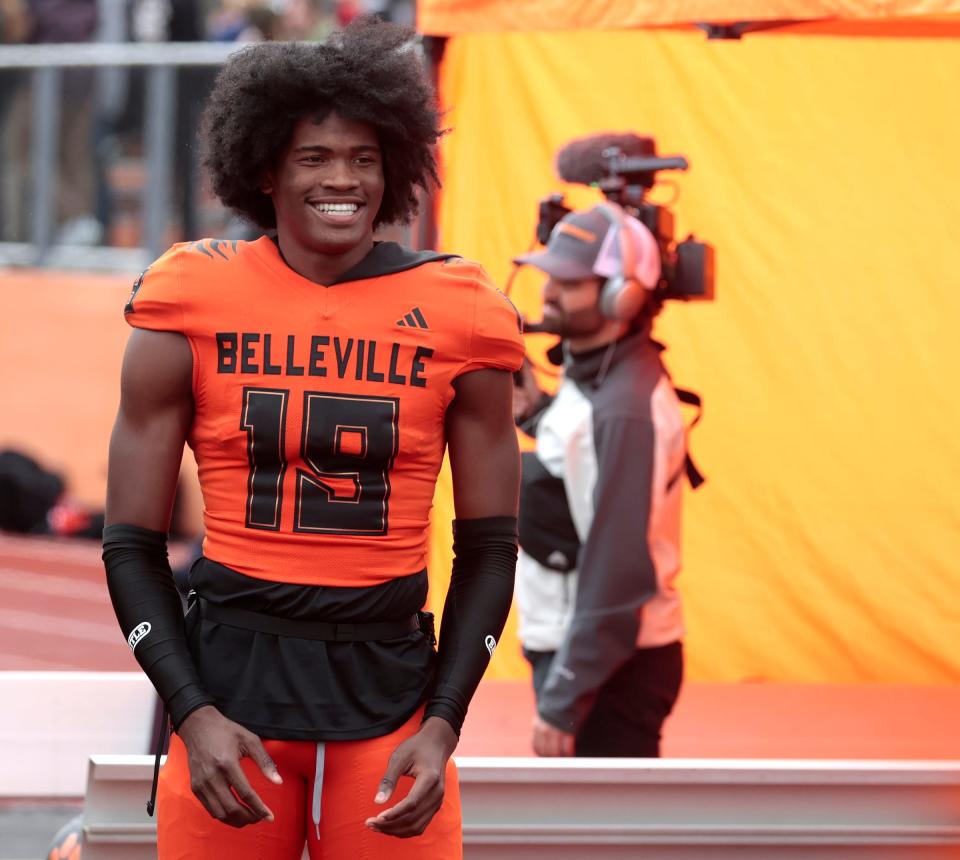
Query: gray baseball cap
(573, 247)
(585, 245)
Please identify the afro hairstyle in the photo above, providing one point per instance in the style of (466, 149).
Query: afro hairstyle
(370, 71)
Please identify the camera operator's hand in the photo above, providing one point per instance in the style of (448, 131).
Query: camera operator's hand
(548, 740)
(527, 395)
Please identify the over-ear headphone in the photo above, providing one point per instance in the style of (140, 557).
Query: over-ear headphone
(621, 295)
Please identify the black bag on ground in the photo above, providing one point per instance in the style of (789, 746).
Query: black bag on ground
(27, 492)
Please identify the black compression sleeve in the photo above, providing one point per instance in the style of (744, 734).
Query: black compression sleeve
(481, 589)
(148, 608)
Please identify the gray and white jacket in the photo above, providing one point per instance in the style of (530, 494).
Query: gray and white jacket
(615, 436)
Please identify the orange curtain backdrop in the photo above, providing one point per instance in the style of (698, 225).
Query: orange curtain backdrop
(824, 546)
(451, 17)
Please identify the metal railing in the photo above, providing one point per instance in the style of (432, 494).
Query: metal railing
(48, 64)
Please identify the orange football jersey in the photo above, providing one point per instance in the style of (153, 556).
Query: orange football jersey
(319, 418)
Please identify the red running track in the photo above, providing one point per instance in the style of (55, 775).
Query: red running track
(55, 614)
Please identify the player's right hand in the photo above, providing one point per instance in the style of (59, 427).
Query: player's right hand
(215, 746)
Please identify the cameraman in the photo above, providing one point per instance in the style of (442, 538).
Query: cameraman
(603, 639)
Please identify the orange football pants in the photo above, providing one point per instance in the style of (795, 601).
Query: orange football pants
(326, 814)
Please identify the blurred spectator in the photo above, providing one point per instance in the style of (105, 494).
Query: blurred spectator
(56, 22)
(398, 11)
(14, 28)
(297, 20)
(51, 22)
(14, 21)
(234, 22)
(121, 117)
(181, 21)
(59, 21)
(264, 24)
(307, 21)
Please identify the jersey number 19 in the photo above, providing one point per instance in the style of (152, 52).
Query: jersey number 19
(347, 442)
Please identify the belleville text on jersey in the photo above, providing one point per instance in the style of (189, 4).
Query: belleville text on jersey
(257, 353)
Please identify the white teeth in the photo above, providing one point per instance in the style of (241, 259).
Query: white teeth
(337, 208)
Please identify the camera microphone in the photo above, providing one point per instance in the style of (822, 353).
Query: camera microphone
(624, 167)
(587, 160)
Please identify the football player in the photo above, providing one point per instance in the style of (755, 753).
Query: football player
(319, 376)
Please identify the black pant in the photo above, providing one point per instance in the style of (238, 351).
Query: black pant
(630, 708)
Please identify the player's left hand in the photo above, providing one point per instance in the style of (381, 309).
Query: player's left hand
(424, 757)
(548, 740)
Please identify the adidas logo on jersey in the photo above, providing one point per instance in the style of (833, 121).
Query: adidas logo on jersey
(414, 319)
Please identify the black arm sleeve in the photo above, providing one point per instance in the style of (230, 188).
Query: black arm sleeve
(481, 590)
(148, 608)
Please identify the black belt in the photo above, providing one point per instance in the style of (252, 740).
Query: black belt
(323, 631)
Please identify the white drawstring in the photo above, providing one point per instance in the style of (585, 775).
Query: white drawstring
(318, 786)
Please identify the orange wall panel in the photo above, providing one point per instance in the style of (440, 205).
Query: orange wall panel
(61, 343)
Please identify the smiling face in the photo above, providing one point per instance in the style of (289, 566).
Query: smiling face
(326, 190)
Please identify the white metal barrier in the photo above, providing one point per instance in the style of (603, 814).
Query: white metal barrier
(51, 722)
(613, 809)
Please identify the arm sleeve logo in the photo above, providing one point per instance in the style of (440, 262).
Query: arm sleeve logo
(138, 634)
